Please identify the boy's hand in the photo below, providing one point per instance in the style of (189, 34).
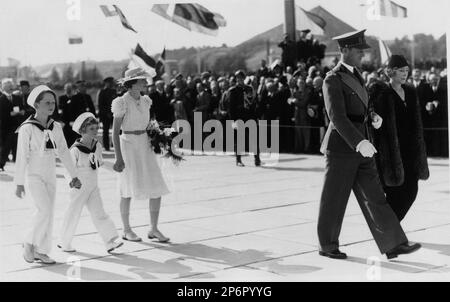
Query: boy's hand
(75, 183)
(20, 191)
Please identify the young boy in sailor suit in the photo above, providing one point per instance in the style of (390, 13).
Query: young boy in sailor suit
(87, 155)
(39, 138)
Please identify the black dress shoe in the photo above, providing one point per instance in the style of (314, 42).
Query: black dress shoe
(257, 162)
(405, 248)
(336, 254)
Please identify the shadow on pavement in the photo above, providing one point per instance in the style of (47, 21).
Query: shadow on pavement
(233, 258)
(441, 248)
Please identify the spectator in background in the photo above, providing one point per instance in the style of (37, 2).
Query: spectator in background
(203, 102)
(240, 106)
(12, 114)
(79, 103)
(263, 71)
(161, 109)
(315, 110)
(179, 109)
(24, 93)
(438, 111)
(64, 101)
(301, 120)
(215, 99)
(288, 55)
(277, 69)
(303, 52)
(104, 100)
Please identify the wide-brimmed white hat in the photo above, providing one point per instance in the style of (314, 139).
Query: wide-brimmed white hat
(36, 92)
(134, 74)
(80, 120)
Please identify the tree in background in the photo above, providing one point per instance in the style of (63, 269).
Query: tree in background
(68, 75)
(54, 76)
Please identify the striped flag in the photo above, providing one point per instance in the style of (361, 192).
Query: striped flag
(389, 8)
(139, 58)
(385, 52)
(191, 16)
(116, 11)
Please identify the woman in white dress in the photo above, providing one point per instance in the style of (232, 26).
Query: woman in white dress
(140, 175)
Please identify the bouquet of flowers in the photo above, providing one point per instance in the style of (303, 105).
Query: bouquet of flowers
(161, 140)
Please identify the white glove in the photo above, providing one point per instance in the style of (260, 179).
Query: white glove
(377, 121)
(436, 104)
(366, 148)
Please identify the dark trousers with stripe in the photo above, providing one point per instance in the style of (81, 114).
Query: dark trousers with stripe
(347, 172)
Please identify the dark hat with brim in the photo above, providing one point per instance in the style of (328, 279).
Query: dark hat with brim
(24, 83)
(306, 31)
(353, 39)
(108, 79)
(397, 61)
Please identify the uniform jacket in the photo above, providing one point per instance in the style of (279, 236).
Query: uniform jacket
(347, 104)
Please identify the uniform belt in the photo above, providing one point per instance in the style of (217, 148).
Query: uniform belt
(357, 118)
(135, 132)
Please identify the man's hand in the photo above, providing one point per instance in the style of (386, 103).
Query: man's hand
(366, 148)
(20, 191)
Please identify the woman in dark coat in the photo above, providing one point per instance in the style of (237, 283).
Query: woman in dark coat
(401, 158)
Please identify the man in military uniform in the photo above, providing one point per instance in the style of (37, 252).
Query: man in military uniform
(349, 159)
(104, 99)
(242, 107)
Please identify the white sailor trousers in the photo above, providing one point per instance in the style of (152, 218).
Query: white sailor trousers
(89, 196)
(41, 185)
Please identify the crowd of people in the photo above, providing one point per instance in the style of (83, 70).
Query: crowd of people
(292, 96)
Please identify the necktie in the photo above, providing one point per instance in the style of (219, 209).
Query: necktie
(358, 76)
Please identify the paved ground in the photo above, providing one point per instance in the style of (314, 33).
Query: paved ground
(234, 224)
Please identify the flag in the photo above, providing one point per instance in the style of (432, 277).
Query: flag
(385, 52)
(316, 19)
(191, 16)
(107, 11)
(139, 52)
(124, 20)
(389, 8)
(139, 58)
(160, 64)
(303, 21)
(75, 40)
(117, 12)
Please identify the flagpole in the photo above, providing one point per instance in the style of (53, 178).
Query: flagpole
(413, 51)
(289, 19)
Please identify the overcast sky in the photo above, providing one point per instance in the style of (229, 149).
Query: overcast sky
(36, 32)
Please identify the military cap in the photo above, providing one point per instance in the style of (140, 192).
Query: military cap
(239, 73)
(353, 39)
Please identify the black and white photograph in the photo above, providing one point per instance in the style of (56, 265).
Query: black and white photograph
(224, 141)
